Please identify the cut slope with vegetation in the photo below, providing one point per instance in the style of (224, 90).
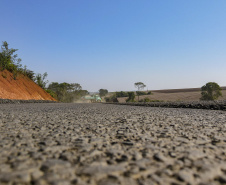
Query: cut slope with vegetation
(22, 88)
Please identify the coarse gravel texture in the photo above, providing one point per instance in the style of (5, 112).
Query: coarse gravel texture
(57, 143)
(9, 101)
(212, 105)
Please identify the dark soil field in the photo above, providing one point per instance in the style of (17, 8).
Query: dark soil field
(101, 144)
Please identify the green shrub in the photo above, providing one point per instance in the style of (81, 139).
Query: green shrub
(103, 92)
(66, 92)
(140, 93)
(149, 100)
(107, 99)
(41, 80)
(30, 74)
(10, 62)
(52, 93)
(131, 97)
(121, 94)
(211, 91)
(112, 98)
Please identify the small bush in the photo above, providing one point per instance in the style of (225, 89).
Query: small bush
(30, 74)
(131, 97)
(41, 80)
(103, 92)
(107, 99)
(112, 98)
(10, 62)
(121, 94)
(149, 100)
(145, 100)
(140, 93)
(52, 93)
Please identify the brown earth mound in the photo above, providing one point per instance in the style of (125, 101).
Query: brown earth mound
(22, 88)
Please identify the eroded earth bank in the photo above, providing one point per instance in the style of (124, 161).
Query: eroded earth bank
(110, 145)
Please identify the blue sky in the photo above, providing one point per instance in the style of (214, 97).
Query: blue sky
(112, 44)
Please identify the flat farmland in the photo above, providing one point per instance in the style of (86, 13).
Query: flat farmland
(192, 94)
(102, 144)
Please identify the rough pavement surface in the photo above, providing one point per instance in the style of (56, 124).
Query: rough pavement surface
(111, 145)
(212, 105)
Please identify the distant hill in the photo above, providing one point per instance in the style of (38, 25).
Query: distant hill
(22, 88)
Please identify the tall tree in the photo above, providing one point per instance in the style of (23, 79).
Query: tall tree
(131, 97)
(41, 80)
(103, 92)
(9, 60)
(66, 92)
(211, 91)
(6, 56)
(139, 86)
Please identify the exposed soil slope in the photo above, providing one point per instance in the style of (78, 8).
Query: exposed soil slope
(21, 89)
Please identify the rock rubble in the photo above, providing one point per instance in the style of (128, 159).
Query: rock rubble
(103, 144)
(9, 101)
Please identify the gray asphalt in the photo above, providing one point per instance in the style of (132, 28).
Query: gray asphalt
(111, 145)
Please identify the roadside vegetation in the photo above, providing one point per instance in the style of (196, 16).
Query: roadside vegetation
(211, 91)
(66, 92)
(103, 92)
(139, 86)
(10, 61)
(131, 97)
(63, 92)
(112, 98)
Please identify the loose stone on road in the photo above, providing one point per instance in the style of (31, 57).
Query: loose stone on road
(100, 144)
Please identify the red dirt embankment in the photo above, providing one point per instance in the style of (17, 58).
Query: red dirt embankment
(22, 88)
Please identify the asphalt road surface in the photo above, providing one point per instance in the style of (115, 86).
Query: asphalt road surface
(111, 145)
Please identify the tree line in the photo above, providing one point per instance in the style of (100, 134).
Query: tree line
(66, 92)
